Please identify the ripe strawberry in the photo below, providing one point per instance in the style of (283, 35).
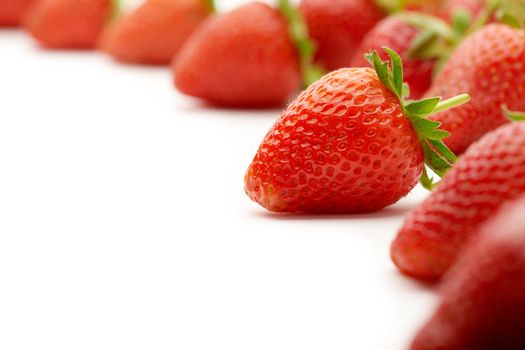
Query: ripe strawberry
(482, 303)
(491, 172)
(244, 58)
(399, 35)
(69, 24)
(156, 31)
(349, 143)
(338, 26)
(488, 65)
(12, 12)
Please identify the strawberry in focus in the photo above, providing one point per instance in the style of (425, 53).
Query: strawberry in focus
(489, 66)
(490, 173)
(69, 24)
(349, 143)
(13, 12)
(482, 304)
(155, 31)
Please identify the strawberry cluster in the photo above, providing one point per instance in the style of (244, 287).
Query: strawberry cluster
(394, 92)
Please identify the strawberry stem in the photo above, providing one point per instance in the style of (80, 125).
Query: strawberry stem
(117, 9)
(211, 5)
(438, 156)
(451, 103)
(305, 46)
(513, 116)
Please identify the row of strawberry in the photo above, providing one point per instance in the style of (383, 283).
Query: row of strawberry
(354, 142)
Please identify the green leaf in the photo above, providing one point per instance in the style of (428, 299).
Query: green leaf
(304, 45)
(397, 70)
(513, 115)
(211, 5)
(428, 182)
(428, 129)
(423, 107)
(435, 161)
(461, 21)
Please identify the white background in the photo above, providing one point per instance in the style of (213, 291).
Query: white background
(123, 225)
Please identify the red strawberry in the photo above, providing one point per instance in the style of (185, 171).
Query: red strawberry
(12, 12)
(399, 35)
(488, 66)
(349, 143)
(490, 173)
(69, 24)
(156, 31)
(338, 26)
(244, 58)
(483, 299)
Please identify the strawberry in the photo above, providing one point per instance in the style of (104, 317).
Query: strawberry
(491, 172)
(349, 143)
(488, 65)
(246, 58)
(399, 35)
(69, 24)
(155, 31)
(482, 304)
(338, 26)
(12, 12)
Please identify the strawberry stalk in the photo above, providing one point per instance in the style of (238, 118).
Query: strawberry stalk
(117, 9)
(211, 5)
(305, 46)
(438, 156)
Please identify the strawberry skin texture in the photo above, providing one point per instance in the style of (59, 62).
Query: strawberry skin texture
(343, 146)
(490, 173)
(397, 35)
(489, 67)
(337, 27)
(155, 32)
(244, 58)
(12, 12)
(483, 300)
(68, 24)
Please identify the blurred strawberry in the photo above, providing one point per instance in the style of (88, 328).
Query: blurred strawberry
(450, 7)
(69, 24)
(489, 174)
(483, 300)
(399, 35)
(155, 31)
(338, 26)
(253, 56)
(349, 143)
(13, 12)
(488, 65)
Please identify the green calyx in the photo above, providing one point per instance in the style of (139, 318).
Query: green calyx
(513, 116)
(511, 12)
(210, 4)
(437, 39)
(117, 9)
(438, 156)
(305, 46)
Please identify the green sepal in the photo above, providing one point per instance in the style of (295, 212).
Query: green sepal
(304, 45)
(513, 116)
(511, 12)
(116, 10)
(210, 4)
(438, 157)
(428, 182)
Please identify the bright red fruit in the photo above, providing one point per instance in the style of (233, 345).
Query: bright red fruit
(489, 66)
(349, 143)
(155, 31)
(483, 300)
(338, 26)
(13, 12)
(243, 58)
(398, 34)
(491, 172)
(69, 24)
